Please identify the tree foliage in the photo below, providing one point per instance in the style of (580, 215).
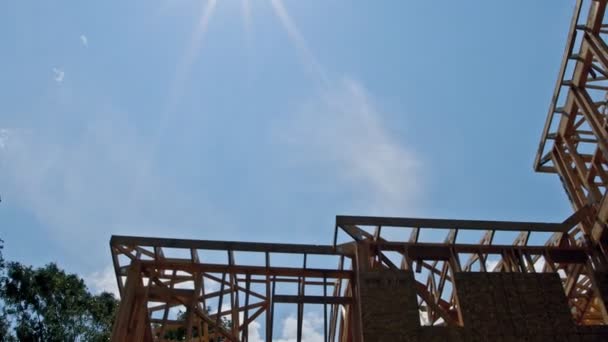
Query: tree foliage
(47, 304)
(179, 334)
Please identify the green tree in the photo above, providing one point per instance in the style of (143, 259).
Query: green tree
(179, 334)
(4, 322)
(47, 304)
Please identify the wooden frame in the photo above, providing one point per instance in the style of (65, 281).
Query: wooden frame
(154, 280)
(242, 291)
(436, 262)
(574, 142)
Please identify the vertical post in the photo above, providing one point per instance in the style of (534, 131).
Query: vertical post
(325, 309)
(234, 297)
(218, 318)
(245, 334)
(132, 323)
(456, 267)
(268, 301)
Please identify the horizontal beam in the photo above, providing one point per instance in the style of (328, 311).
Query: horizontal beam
(453, 224)
(435, 251)
(225, 245)
(161, 293)
(418, 252)
(311, 299)
(186, 266)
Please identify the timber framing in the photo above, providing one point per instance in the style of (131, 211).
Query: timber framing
(574, 141)
(206, 290)
(174, 274)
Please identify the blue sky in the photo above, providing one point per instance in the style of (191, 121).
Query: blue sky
(263, 119)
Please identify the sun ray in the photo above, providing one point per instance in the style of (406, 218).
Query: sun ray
(247, 28)
(296, 37)
(246, 10)
(190, 56)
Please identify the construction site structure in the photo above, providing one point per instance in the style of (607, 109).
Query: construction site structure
(407, 279)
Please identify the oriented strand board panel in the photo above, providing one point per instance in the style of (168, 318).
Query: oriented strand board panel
(514, 304)
(389, 310)
(602, 283)
(495, 307)
(593, 333)
(455, 334)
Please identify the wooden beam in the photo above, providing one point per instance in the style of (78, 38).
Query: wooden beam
(450, 224)
(558, 85)
(118, 240)
(308, 299)
(253, 270)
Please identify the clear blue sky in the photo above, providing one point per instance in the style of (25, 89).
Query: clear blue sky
(176, 118)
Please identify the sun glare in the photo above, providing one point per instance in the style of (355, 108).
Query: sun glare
(190, 55)
(194, 47)
(297, 39)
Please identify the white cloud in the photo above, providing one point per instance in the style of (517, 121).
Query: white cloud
(3, 137)
(344, 134)
(84, 40)
(98, 179)
(539, 265)
(103, 281)
(311, 326)
(59, 74)
(424, 317)
(491, 264)
(254, 332)
(312, 329)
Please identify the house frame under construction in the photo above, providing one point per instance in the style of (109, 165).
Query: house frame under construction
(407, 279)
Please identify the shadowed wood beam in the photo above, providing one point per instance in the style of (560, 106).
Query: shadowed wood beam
(311, 299)
(254, 270)
(439, 251)
(343, 221)
(118, 240)
(539, 160)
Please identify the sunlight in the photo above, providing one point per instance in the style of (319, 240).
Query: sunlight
(193, 49)
(247, 29)
(195, 42)
(246, 9)
(190, 56)
(298, 40)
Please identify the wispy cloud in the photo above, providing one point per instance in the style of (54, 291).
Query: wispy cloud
(3, 137)
(84, 40)
(62, 182)
(103, 281)
(59, 74)
(103, 180)
(343, 133)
